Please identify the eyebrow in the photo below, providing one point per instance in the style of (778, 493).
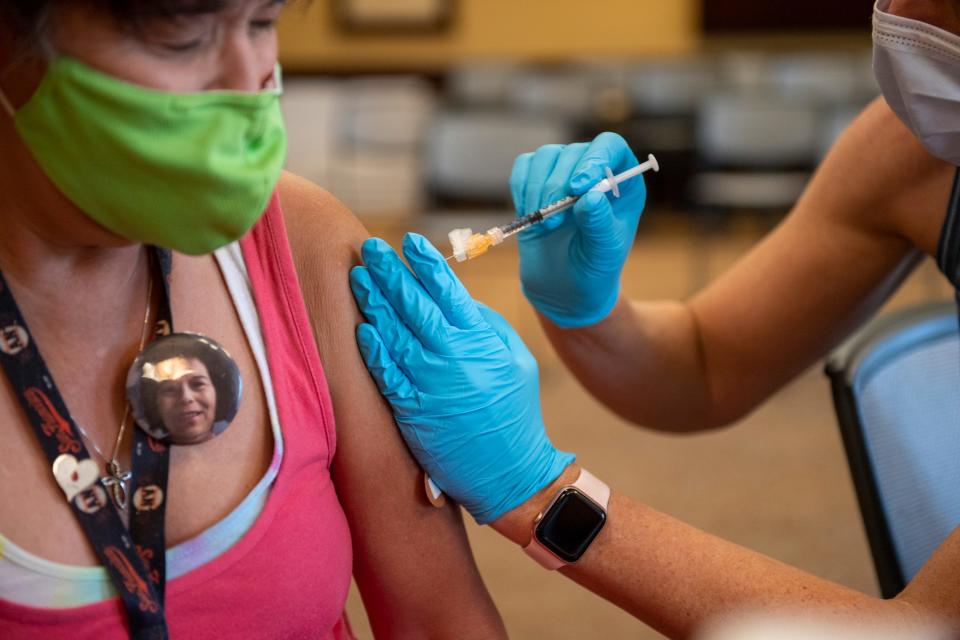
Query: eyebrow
(187, 8)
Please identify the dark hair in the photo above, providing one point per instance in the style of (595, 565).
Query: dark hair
(27, 19)
(222, 370)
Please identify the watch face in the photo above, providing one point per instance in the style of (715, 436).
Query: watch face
(570, 525)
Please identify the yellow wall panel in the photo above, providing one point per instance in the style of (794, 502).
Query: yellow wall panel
(528, 30)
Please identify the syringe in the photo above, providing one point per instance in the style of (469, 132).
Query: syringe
(468, 245)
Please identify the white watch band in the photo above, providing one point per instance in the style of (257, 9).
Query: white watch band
(589, 485)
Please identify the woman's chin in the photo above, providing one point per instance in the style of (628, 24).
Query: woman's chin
(192, 435)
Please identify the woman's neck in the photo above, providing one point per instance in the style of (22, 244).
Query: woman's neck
(46, 241)
(42, 257)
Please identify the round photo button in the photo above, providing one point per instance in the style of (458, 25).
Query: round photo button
(184, 388)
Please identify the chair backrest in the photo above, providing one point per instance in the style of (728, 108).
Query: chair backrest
(896, 389)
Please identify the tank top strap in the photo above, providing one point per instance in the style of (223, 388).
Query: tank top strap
(948, 249)
(303, 397)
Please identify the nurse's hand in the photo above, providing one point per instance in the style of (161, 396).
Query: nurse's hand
(463, 386)
(570, 264)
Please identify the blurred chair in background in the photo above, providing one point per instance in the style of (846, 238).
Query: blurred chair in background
(755, 151)
(480, 84)
(823, 78)
(895, 391)
(470, 154)
(769, 122)
(559, 92)
(664, 98)
(383, 125)
(312, 109)
(362, 139)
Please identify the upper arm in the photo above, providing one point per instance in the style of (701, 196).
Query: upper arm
(935, 590)
(840, 252)
(412, 561)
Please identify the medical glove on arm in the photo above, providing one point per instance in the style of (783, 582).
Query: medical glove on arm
(463, 387)
(570, 265)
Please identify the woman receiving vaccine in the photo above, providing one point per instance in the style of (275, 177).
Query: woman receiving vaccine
(145, 216)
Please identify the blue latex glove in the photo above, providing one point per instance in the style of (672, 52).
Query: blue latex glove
(463, 386)
(570, 264)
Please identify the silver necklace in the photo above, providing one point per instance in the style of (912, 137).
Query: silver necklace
(117, 480)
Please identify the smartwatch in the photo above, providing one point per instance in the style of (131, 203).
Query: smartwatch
(563, 531)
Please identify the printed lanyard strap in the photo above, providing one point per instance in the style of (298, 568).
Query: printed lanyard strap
(135, 559)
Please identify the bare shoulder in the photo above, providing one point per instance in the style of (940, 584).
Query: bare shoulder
(891, 183)
(325, 239)
(322, 230)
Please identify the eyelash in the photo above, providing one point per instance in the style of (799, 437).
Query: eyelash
(263, 25)
(188, 47)
(182, 47)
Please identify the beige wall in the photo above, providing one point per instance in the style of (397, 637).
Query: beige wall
(532, 30)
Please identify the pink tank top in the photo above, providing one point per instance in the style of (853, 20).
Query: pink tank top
(288, 576)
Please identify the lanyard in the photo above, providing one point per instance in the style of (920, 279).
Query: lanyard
(134, 558)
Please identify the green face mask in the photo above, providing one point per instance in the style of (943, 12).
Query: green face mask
(187, 171)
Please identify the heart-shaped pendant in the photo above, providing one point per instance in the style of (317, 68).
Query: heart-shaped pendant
(74, 476)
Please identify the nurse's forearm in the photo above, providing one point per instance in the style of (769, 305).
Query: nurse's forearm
(645, 362)
(831, 263)
(676, 578)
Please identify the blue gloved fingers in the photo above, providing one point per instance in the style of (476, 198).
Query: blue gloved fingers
(392, 382)
(558, 183)
(541, 166)
(599, 233)
(518, 180)
(406, 295)
(403, 346)
(444, 287)
(510, 338)
(496, 321)
(606, 150)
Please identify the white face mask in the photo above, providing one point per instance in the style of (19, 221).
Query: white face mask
(917, 67)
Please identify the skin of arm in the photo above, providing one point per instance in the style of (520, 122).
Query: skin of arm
(412, 562)
(846, 245)
(677, 578)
